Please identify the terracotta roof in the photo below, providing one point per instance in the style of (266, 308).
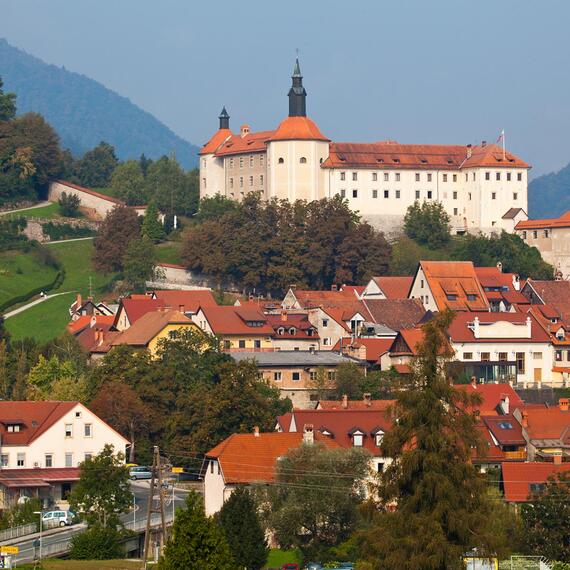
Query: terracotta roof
(231, 320)
(297, 129)
(491, 396)
(251, 142)
(375, 347)
(219, 137)
(96, 340)
(562, 222)
(299, 322)
(135, 308)
(37, 418)
(554, 293)
(396, 314)
(456, 278)
(338, 298)
(356, 404)
(18, 478)
(104, 322)
(515, 297)
(491, 155)
(461, 329)
(149, 325)
(492, 277)
(394, 287)
(186, 301)
(340, 424)
(517, 478)
(506, 429)
(547, 423)
(246, 458)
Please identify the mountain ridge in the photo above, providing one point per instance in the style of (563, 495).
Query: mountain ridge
(84, 112)
(549, 194)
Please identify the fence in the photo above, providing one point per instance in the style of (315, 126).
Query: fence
(529, 563)
(18, 531)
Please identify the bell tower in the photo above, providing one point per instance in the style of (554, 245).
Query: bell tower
(224, 119)
(297, 94)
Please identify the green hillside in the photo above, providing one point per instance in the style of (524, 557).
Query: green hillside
(84, 112)
(549, 195)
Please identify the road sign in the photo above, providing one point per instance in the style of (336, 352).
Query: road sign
(178, 470)
(9, 549)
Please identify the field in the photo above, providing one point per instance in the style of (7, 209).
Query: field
(48, 319)
(21, 272)
(86, 565)
(169, 252)
(49, 211)
(279, 557)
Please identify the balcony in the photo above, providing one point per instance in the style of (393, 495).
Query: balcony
(486, 372)
(516, 455)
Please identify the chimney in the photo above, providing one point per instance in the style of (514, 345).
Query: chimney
(500, 266)
(563, 404)
(476, 327)
(256, 431)
(557, 459)
(505, 404)
(283, 315)
(469, 150)
(78, 302)
(344, 404)
(528, 327)
(516, 282)
(483, 144)
(308, 434)
(524, 417)
(334, 287)
(367, 399)
(244, 130)
(181, 308)
(93, 321)
(474, 382)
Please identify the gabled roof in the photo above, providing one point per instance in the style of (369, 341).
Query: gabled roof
(457, 278)
(186, 301)
(492, 155)
(375, 347)
(286, 321)
(337, 298)
(149, 325)
(396, 314)
(562, 222)
(251, 142)
(247, 458)
(518, 477)
(297, 129)
(394, 287)
(37, 418)
(553, 293)
(491, 395)
(341, 424)
(219, 137)
(103, 322)
(493, 277)
(547, 423)
(512, 213)
(381, 405)
(408, 341)
(232, 320)
(505, 429)
(135, 308)
(97, 340)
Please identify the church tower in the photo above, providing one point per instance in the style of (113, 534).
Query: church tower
(224, 119)
(297, 94)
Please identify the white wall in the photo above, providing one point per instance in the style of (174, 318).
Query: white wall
(216, 492)
(420, 290)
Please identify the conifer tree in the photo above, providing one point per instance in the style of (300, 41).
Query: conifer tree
(441, 509)
(243, 531)
(151, 226)
(196, 541)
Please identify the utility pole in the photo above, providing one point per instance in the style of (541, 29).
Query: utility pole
(156, 474)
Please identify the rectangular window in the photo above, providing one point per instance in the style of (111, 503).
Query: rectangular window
(524, 235)
(503, 356)
(261, 179)
(386, 193)
(355, 193)
(546, 233)
(417, 176)
(343, 193)
(326, 341)
(455, 211)
(519, 176)
(241, 181)
(429, 177)
(325, 323)
(397, 177)
(469, 195)
(374, 176)
(520, 362)
(429, 194)
(487, 176)
(380, 467)
(256, 343)
(534, 234)
(515, 196)
(343, 175)
(241, 343)
(331, 375)
(251, 180)
(295, 376)
(374, 193)
(69, 459)
(537, 355)
(397, 194)
(87, 456)
(260, 160)
(485, 356)
(241, 161)
(231, 182)
(417, 194)
(355, 176)
(88, 430)
(21, 460)
(49, 460)
(455, 178)
(357, 440)
(497, 175)
(467, 356)
(251, 160)
(4, 460)
(493, 195)
(68, 430)
(508, 176)
(227, 344)
(386, 176)
(473, 177)
(277, 376)
(455, 195)
(558, 355)
(312, 375)
(445, 177)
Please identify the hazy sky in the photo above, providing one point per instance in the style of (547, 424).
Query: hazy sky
(417, 71)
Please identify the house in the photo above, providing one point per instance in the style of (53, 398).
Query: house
(299, 375)
(96, 338)
(306, 299)
(147, 331)
(547, 431)
(240, 328)
(506, 434)
(185, 301)
(42, 445)
(247, 459)
(501, 289)
(369, 349)
(520, 481)
(329, 324)
(133, 308)
(448, 285)
(362, 428)
(293, 331)
(555, 294)
(387, 287)
(80, 308)
(550, 237)
(395, 314)
(77, 326)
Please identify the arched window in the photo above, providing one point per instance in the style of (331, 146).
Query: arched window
(280, 331)
(280, 161)
(303, 160)
(292, 331)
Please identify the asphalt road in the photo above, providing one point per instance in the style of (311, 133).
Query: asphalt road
(137, 516)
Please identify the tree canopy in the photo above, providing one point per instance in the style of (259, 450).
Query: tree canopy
(427, 223)
(95, 168)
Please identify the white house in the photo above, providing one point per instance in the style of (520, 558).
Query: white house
(42, 445)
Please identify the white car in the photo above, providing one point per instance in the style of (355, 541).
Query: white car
(57, 518)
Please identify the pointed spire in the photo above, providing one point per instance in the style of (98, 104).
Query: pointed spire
(224, 119)
(297, 93)
(297, 69)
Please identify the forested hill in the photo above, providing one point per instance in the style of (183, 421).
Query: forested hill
(84, 112)
(549, 195)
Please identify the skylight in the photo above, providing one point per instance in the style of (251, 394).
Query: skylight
(505, 425)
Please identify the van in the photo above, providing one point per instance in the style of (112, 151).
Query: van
(140, 472)
(57, 518)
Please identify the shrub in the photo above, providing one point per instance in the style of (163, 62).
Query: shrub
(96, 543)
(69, 205)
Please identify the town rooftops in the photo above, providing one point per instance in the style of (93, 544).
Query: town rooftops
(136, 307)
(394, 287)
(296, 358)
(505, 429)
(492, 395)
(218, 138)
(347, 404)
(374, 348)
(186, 301)
(241, 320)
(548, 422)
(248, 143)
(396, 314)
(553, 293)
(562, 222)
(521, 480)
(249, 458)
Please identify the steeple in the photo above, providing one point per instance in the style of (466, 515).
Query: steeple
(224, 119)
(297, 94)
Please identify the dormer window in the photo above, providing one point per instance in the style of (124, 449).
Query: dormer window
(379, 437)
(13, 428)
(280, 331)
(357, 437)
(292, 330)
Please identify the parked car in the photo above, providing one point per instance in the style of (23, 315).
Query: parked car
(140, 472)
(58, 518)
(290, 566)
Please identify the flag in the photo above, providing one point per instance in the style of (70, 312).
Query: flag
(501, 136)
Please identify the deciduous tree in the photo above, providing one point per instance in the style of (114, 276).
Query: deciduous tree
(428, 223)
(95, 168)
(69, 204)
(127, 183)
(7, 104)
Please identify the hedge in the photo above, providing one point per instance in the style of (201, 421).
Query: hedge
(56, 282)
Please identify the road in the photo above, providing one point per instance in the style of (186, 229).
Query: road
(53, 539)
(34, 303)
(38, 205)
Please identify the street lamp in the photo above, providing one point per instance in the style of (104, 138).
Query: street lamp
(40, 513)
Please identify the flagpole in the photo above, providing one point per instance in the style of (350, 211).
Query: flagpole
(504, 149)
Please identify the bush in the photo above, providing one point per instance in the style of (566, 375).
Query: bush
(96, 543)
(69, 205)
(65, 231)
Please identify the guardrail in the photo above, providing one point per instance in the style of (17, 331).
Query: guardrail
(18, 531)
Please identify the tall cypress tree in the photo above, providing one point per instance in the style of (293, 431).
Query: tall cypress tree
(243, 531)
(435, 505)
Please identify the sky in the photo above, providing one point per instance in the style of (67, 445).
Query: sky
(415, 71)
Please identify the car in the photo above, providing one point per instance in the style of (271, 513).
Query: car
(58, 518)
(290, 566)
(140, 472)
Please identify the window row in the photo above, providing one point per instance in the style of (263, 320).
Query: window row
(508, 176)
(302, 160)
(545, 233)
(48, 460)
(87, 430)
(251, 159)
(251, 181)
(445, 177)
(278, 376)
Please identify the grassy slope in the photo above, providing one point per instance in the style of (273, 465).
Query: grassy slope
(169, 252)
(48, 319)
(32, 274)
(50, 211)
(278, 558)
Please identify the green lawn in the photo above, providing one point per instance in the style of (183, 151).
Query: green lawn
(278, 558)
(48, 319)
(169, 252)
(21, 272)
(49, 211)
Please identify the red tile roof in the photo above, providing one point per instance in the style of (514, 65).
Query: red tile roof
(299, 322)
(251, 142)
(562, 222)
(37, 418)
(517, 478)
(297, 129)
(554, 293)
(103, 322)
(456, 278)
(506, 429)
(396, 314)
(97, 341)
(340, 423)
(135, 308)
(493, 277)
(356, 404)
(186, 301)
(231, 320)
(246, 458)
(394, 287)
(219, 137)
(375, 347)
(492, 155)
(491, 395)
(547, 423)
